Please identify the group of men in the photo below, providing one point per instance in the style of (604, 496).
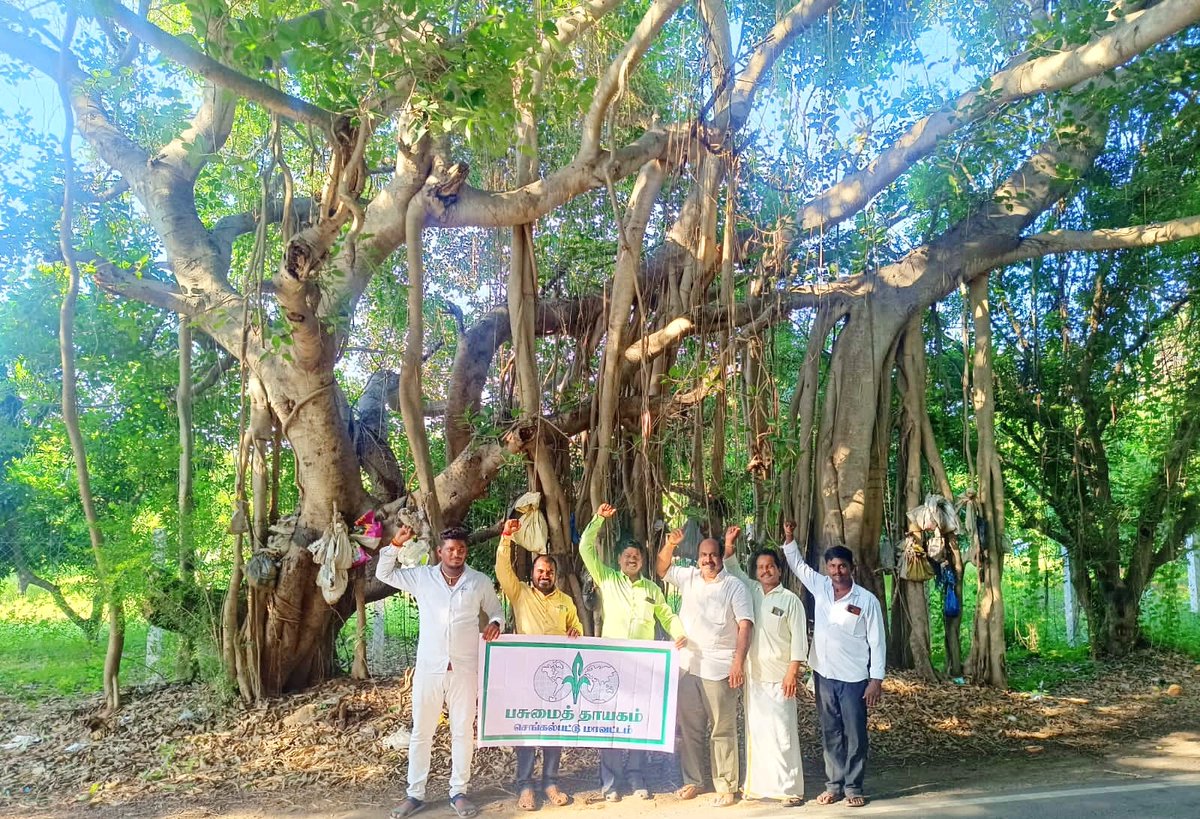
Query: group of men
(733, 633)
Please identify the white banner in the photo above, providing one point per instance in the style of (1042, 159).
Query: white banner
(577, 692)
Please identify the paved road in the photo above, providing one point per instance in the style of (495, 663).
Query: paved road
(1168, 796)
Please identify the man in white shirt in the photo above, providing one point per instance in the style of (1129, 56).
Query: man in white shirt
(450, 597)
(847, 659)
(778, 647)
(718, 618)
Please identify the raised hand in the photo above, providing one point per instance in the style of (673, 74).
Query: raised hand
(731, 536)
(510, 528)
(674, 539)
(789, 530)
(403, 535)
(606, 510)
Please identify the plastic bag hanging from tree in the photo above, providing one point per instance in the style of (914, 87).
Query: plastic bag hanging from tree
(534, 533)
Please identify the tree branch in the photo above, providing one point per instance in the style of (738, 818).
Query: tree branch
(1116, 46)
(285, 105)
(615, 78)
(1136, 236)
(93, 122)
(129, 284)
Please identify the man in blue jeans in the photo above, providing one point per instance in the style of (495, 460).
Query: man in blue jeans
(847, 659)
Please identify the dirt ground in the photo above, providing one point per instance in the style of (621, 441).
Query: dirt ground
(175, 751)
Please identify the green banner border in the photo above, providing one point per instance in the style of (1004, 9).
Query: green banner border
(591, 739)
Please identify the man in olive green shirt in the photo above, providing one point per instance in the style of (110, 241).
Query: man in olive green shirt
(630, 604)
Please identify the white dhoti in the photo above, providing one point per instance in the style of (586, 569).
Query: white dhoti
(773, 769)
(457, 691)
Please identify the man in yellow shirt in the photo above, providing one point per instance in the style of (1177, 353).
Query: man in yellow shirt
(538, 608)
(630, 605)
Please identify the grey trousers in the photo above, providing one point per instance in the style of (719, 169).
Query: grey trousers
(703, 703)
(842, 712)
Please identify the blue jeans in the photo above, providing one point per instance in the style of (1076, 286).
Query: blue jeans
(843, 715)
(612, 771)
(525, 762)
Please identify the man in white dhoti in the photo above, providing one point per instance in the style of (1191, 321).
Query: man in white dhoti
(450, 597)
(777, 648)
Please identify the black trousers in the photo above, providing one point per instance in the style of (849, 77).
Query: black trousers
(842, 712)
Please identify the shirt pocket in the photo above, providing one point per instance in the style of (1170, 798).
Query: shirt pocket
(848, 622)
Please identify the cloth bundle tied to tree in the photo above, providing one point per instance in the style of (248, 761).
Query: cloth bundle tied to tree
(932, 528)
(534, 533)
(335, 553)
(914, 563)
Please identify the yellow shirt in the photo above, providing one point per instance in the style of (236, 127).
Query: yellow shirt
(534, 612)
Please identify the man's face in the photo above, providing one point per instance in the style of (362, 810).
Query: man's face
(453, 553)
(543, 575)
(711, 560)
(767, 571)
(840, 572)
(630, 561)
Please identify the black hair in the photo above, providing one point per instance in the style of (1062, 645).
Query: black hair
(764, 552)
(551, 558)
(840, 553)
(455, 533)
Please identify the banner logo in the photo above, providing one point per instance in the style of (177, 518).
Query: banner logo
(598, 682)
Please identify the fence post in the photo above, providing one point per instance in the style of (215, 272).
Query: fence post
(1068, 599)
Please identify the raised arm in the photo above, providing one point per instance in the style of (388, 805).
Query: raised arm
(509, 584)
(386, 570)
(667, 553)
(811, 578)
(587, 543)
(731, 561)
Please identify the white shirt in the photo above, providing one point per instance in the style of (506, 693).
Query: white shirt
(449, 629)
(780, 633)
(710, 615)
(848, 636)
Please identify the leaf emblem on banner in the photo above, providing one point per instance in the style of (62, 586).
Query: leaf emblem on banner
(577, 680)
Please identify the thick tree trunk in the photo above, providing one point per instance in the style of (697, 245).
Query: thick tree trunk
(1113, 620)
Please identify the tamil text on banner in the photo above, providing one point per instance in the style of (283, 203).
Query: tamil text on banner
(577, 692)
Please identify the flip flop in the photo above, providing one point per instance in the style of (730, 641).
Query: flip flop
(827, 798)
(688, 792)
(856, 801)
(463, 806)
(408, 807)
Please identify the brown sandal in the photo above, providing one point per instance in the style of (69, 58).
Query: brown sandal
(527, 801)
(827, 798)
(855, 801)
(557, 797)
(688, 792)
